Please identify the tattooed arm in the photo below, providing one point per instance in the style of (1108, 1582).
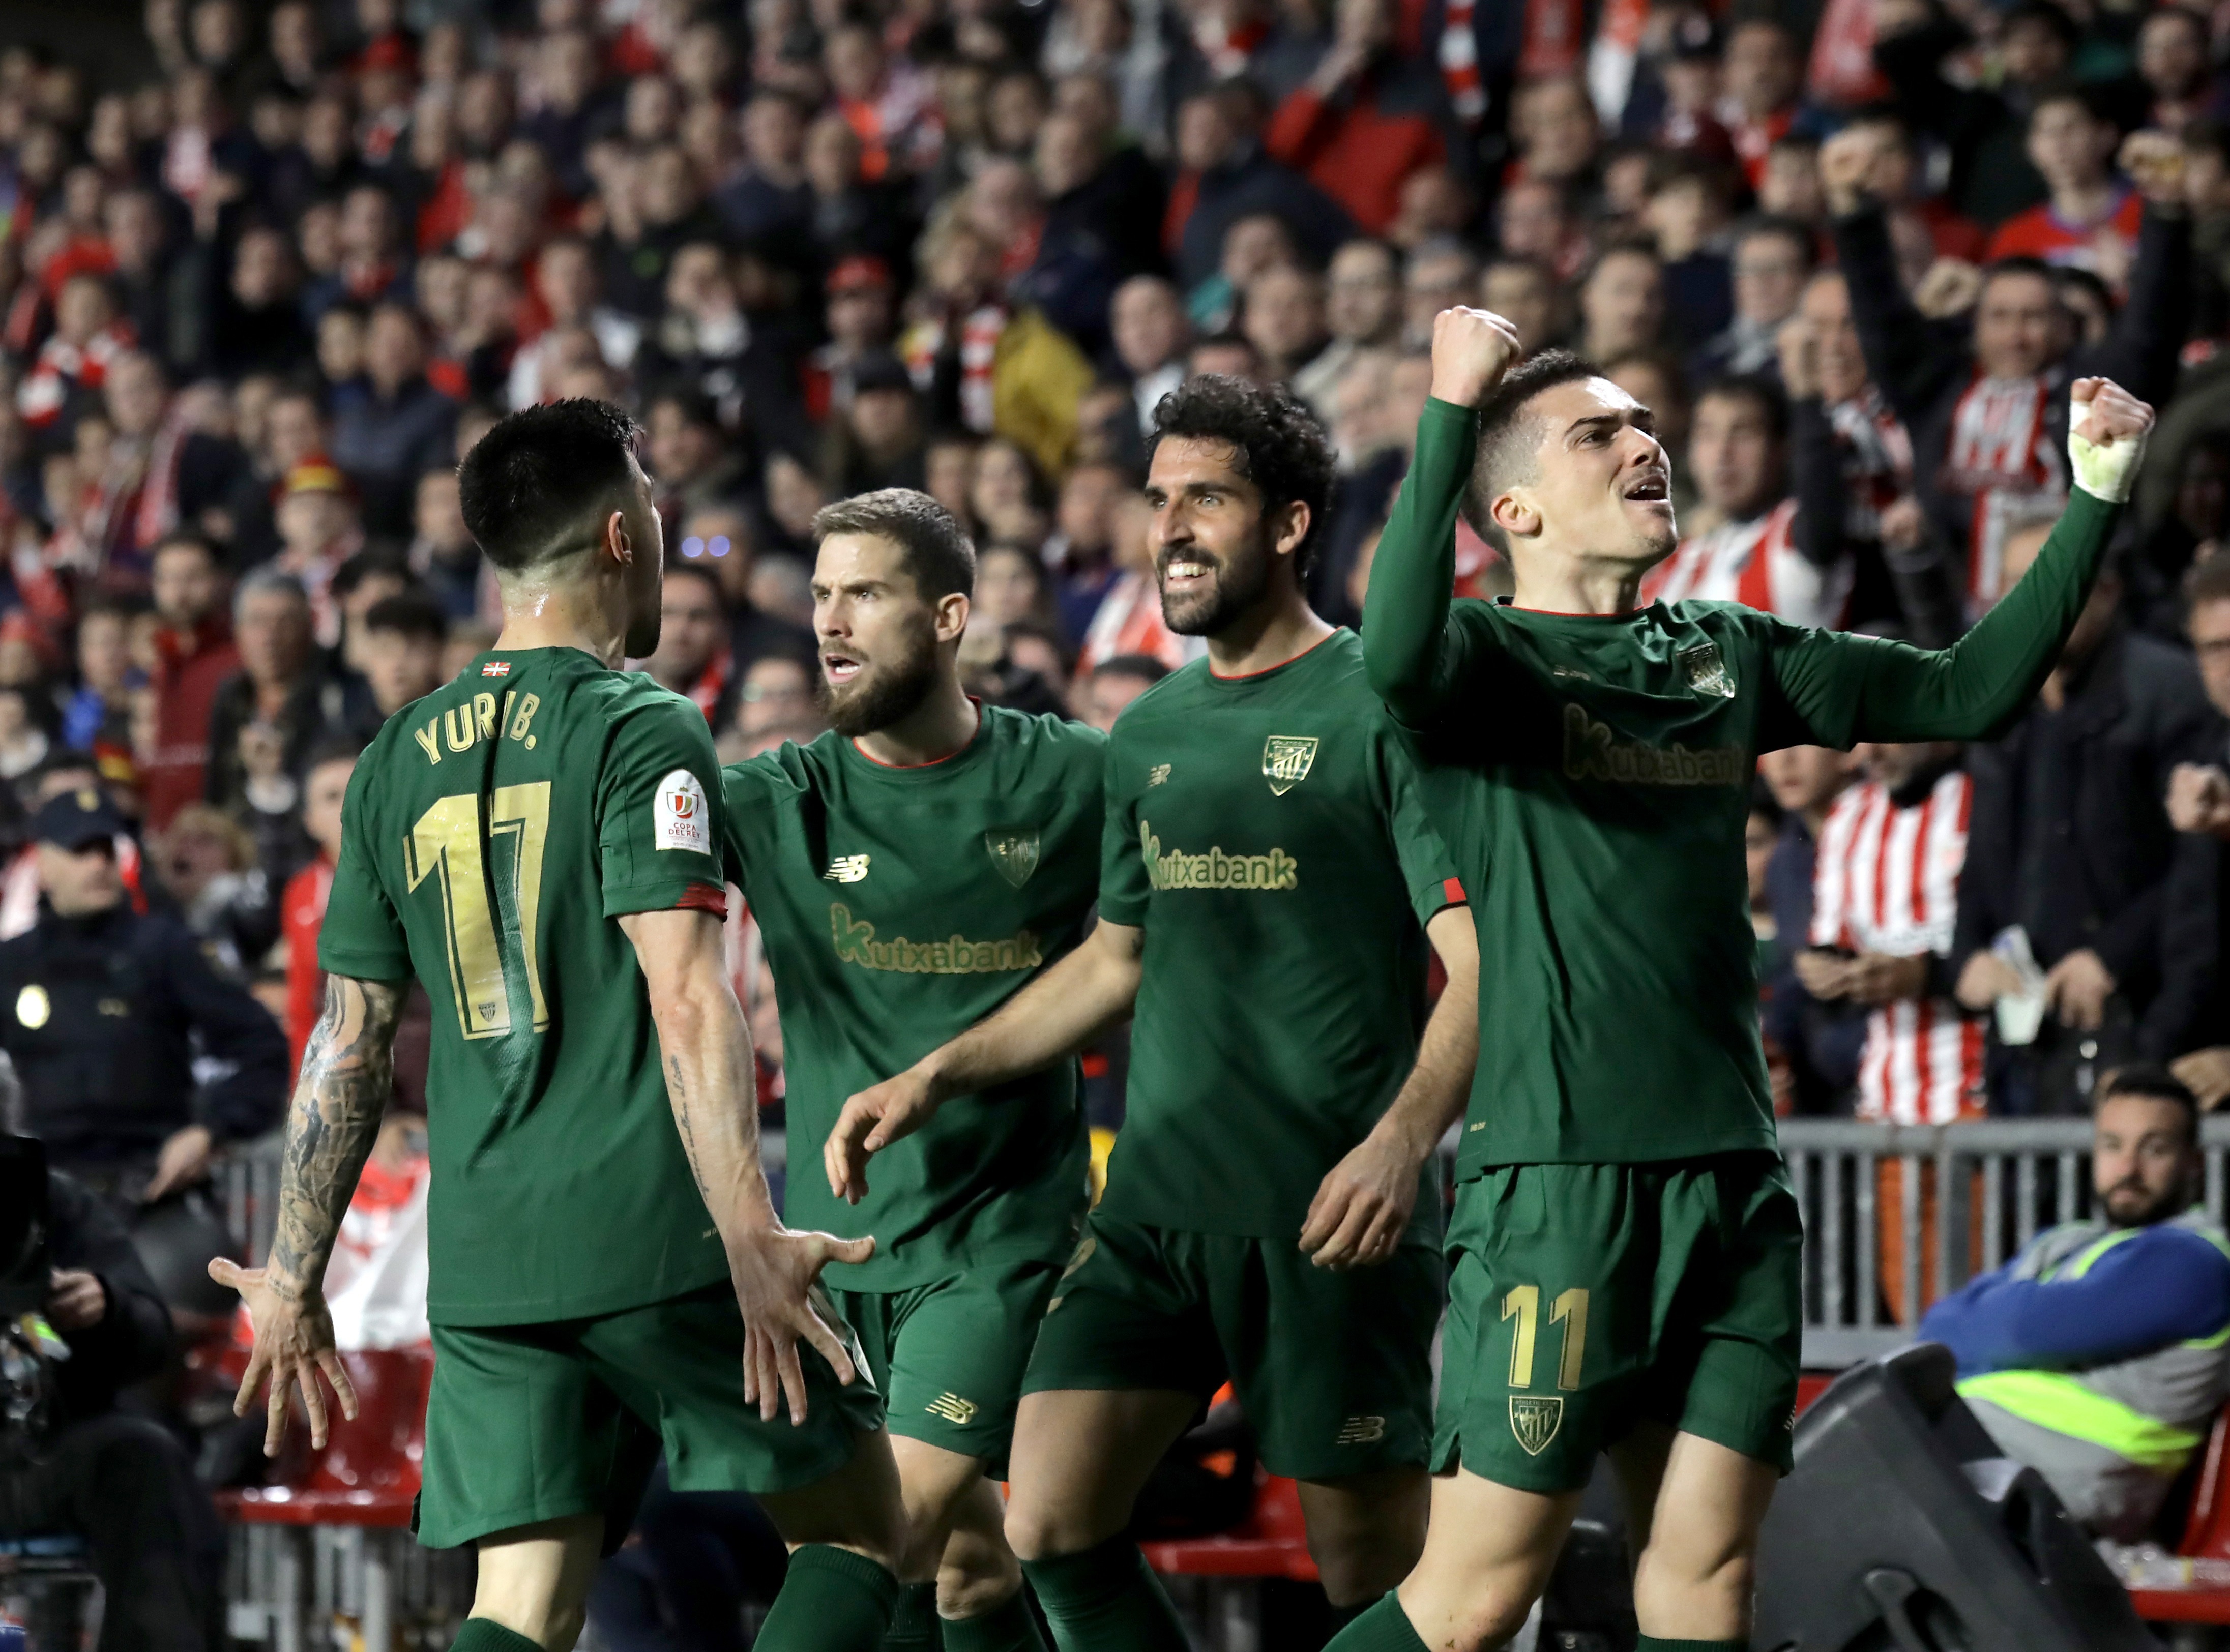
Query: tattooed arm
(347, 1073)
(713, 1085)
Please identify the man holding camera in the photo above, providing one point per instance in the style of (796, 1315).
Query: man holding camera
(82, 1466)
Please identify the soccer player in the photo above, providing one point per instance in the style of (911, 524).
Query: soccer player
(1625, 1247)
(1265, 892)
(539, 843)
(911, 870)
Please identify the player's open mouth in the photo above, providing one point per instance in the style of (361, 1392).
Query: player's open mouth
(1652, 487)
(838, 669)
(1180, 573)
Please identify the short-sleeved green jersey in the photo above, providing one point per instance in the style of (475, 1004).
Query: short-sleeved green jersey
(1592, 776)
(493, 832)
(899, 907)
(1267, 834)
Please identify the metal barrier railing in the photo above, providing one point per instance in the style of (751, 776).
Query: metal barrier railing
(1940, 1201)
(1934, 1204)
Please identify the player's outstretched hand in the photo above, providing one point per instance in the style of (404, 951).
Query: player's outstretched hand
(1472, 350)
(871, 1121)
(2107, 429)
(1362, 1205)
(293, 1343)
(777, 1273)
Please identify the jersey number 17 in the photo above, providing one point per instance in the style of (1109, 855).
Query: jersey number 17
(447, 843)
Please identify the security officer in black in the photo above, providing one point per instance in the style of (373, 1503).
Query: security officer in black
(104, 1011)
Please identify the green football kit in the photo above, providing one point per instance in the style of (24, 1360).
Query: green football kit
(577, 1289)
(900, 905)
(1267, 834)
(1625, 1244)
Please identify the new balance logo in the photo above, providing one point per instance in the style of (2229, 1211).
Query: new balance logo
(1158, 774)
(952, 1409)
(1362, 1430)
(846, 868)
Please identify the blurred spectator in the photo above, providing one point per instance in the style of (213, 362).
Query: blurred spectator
(1525, 293)
(400, 428)
(266, 719)
(1621, 302)
(119, 1480)
(2095, 1356)
(443, 553)
(1820, 1040)
(1109, 686)
(100, 712)
(692, 657)
(401, 642)
(194, 655)
(1761, 552)
(1772, 258)
(1150, 332)
(1224, 174)
(2071, 845)
(1360, 125)
(207, 864)
(110, 1008)
(302, 906)
(2089, 220)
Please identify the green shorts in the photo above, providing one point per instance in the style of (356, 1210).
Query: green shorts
(949, 1356)
(1334, 1369)
(1584, 1298)
(529, 1422)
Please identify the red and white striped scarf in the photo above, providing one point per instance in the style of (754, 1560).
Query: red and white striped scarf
(2002, 460)
(1459, 56)
(1755, 562)
(1887, 880)
(1877, 455)
(62, 366)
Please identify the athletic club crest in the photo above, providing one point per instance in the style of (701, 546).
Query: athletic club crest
(1534, 1421)
(1706, 671)
(1286, 760)
(1015, 854)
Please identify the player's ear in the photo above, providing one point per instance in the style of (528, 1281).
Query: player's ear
(1514, 511)
(618, 543)
(952, 610)
(1289, 525)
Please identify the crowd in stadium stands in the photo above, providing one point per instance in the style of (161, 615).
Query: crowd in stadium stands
(264, 281)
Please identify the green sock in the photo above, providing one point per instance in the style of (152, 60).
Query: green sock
(1107, 1599)
(832, 1600)
(1383, 1628)
(1652, 1643)
(1006, 1628)
(486, 1635)
(913, 1620)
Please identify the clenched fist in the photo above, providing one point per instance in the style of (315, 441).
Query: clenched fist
(2107, 429)
(1472, 350)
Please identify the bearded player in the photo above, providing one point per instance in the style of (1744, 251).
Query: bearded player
(1625, 1247)
(1267, 886)
(911, 870)
(538, 843)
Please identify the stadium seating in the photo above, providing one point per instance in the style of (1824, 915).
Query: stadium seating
(2206, 1539)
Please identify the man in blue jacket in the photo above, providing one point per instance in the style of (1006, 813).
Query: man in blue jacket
(2100, 1354)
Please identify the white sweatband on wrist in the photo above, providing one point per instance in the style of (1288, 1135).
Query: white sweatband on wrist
(2108, 473)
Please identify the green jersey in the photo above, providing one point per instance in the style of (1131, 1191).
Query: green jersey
(1267, 833)
(493, 833)
(899, 907)
(1592, 775)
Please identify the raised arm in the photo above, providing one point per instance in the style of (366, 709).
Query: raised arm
(705, 1050)
(1848, 688)
(347, 1074)
(1053, 1017)
(1411, 657)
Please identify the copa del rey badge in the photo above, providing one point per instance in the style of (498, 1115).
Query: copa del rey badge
(683, 821)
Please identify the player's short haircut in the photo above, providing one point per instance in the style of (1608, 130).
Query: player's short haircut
(934, 548)
(1766, 395)
(1277, 442)
(411, 614)
(2153, 1081)
(540, 484)
(1507, 439)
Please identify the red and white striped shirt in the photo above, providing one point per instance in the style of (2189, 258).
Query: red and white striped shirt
(1756, 563)
(1887, 880)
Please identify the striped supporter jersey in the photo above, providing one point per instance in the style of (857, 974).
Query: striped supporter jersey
(1887, 880)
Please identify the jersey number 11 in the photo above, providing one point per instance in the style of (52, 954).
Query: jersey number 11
(448, 841)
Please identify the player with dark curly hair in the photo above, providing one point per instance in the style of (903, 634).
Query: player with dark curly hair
(1267, 887)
